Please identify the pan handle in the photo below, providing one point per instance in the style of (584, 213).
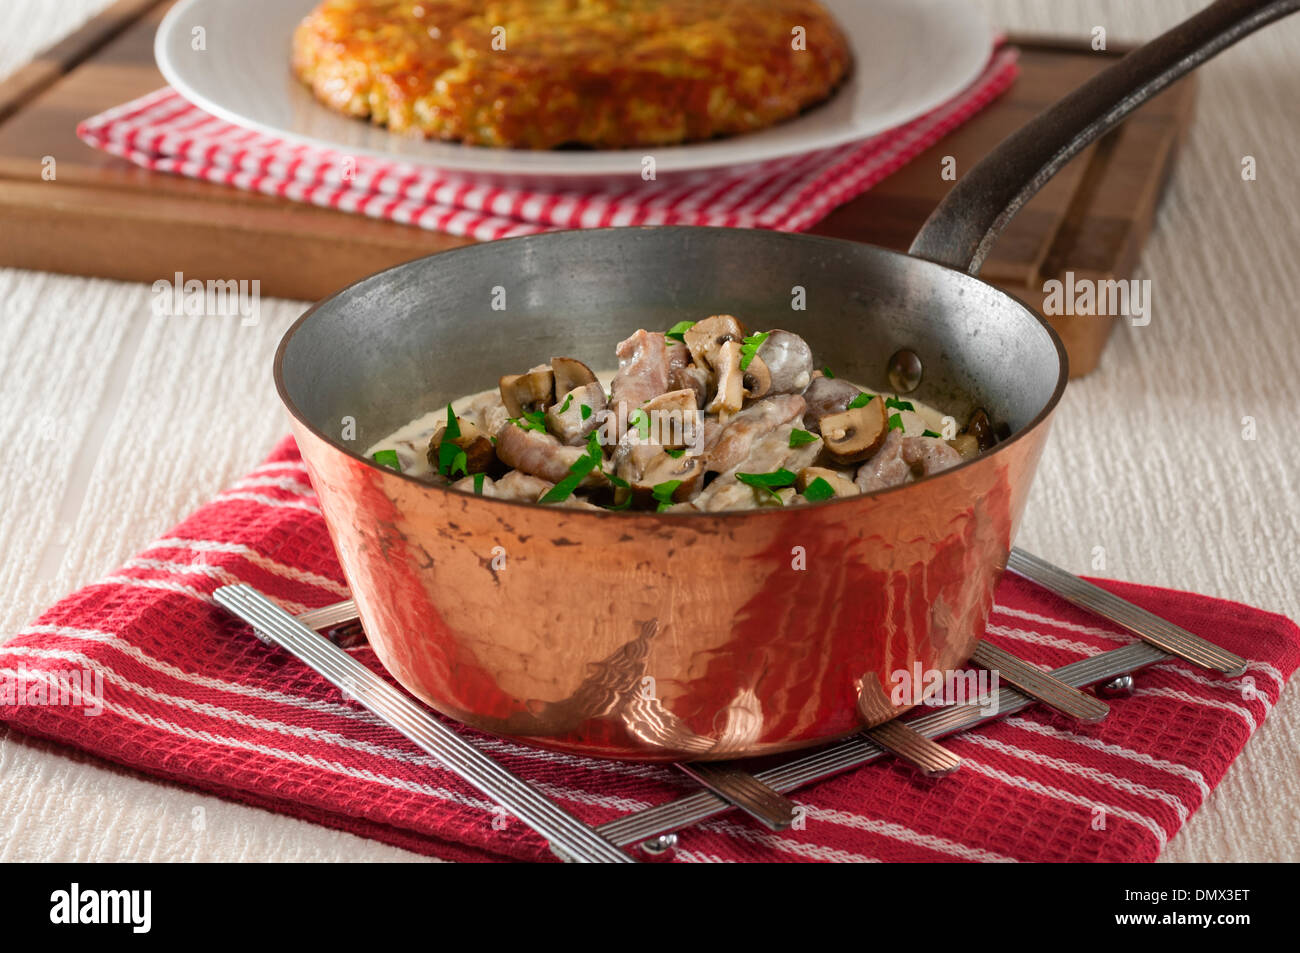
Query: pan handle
(962, 230)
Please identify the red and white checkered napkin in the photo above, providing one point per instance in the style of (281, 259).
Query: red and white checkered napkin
(189, 694)
(163, 132)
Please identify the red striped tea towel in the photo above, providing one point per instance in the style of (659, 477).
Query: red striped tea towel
(189, 694)
(165, 133)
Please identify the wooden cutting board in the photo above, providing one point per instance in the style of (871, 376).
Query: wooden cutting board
(100, 215)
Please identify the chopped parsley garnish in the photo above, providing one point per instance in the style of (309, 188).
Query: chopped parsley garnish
(449, 457)
(678, 331)
(478, 483)
(771, 482)
(641, 421)
(777, 478)
(799, 438)
(675, 454)
(452, 458)
(622, 484)
(818, 490)
(531, 420)
(931, 433)
(826, 372)
(578, 471)
(895, 422)
(861, 400)
(584, 410)
(899, 404)
(568, 399)
(663, 493)
(388, 458)
(749, 347)
(564, 489)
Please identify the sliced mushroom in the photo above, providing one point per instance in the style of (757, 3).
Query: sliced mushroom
(981, 429)
(530, 391)
(706, 338)
(644, 466)
(480, 455)
(730, 395)
(839, 483)
(826, 395)
(965, 444)
(681, 400)
(855, 435)
(664, 468)
(789, 362)
(541, 455)
(757, 379)
(675, 420)
(631, 458)
(565, 417)
(570, 373)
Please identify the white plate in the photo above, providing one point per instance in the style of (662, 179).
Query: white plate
(909, 57)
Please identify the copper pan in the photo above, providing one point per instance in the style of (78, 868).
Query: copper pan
(697, 636)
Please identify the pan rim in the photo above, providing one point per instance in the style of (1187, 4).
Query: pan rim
(1040, 418)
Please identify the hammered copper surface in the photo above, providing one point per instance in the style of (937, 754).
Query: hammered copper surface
(673, 636)
(639, 636)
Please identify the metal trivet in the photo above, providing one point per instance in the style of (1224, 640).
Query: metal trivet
(724, 786)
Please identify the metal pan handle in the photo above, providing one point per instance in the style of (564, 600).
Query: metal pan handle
(962, 230)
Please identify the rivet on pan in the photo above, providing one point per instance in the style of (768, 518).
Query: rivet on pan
(904, 371)
(662, 844)
(1120, 687)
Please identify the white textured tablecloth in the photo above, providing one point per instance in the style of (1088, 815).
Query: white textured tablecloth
(1147, 460)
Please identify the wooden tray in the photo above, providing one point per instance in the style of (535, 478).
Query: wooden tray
(102, 216)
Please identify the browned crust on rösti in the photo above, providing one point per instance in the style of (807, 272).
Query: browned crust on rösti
(600, 73)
